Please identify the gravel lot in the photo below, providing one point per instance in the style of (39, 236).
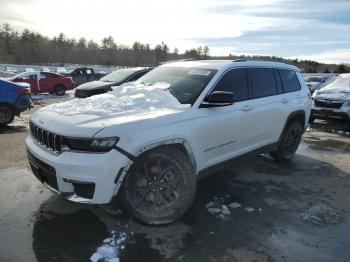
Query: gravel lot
(257, 210)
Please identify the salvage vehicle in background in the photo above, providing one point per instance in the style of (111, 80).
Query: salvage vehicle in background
(147, 142)
(315, 82)
(115, 78)
(14, 99)
(45, 82)
(82, 75)
(332, 101)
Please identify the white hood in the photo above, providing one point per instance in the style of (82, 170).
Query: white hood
(127, 103)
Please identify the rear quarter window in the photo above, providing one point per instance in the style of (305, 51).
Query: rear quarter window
(290, 81)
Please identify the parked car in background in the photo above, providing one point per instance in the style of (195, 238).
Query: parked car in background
(61, 70)
(148, 142)
(14, 99)
(315, 82)
(115, 78)
(43, 82)
(332, 101)
(11, 70)
(82, 75)
(45, 69)
(6, 74)
(29, 69)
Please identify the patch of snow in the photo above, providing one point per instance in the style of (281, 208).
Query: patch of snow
(126, 98)
(219, 208)
(234, 205)
(322, 214)
(109, 251)
(249, 209)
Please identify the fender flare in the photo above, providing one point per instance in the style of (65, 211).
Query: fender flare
(124, 170)
(291, 116)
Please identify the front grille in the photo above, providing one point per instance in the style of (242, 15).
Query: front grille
(329, 103)
(45, 138)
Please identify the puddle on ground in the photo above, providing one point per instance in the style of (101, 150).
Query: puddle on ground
(67, 237)
(330, 145)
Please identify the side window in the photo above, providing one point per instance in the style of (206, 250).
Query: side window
(290, 80)
(234, 81)
(263, 82)
(43, 75)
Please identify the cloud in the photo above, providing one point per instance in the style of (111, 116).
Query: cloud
(339, 56)
(278, 27)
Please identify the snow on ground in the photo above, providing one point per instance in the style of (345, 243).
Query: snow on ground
(109, 250)
(218, 208)
(129, 97)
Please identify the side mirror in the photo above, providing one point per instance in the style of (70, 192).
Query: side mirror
(219, 98)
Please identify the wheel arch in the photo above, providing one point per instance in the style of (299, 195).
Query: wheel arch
(12, 107)
(179, 143)
(298, 115)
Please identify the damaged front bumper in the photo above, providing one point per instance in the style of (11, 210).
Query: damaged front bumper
(79, 177)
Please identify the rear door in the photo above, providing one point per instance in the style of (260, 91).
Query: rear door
(266, 108)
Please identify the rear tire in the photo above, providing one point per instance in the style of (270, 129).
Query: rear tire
(60, 90)
(160, 186)
(6, 115)
(289, 142)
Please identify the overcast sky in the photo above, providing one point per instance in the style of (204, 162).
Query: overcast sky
(309, 29)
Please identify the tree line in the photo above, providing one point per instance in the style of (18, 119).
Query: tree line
(29, 47)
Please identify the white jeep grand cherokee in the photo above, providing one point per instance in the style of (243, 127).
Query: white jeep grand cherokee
(149, 141)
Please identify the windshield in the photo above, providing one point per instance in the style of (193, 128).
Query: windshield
(24, 75)
(118, 76)
(185, 84)
(337, 84)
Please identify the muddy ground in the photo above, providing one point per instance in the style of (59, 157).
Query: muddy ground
(296, 211)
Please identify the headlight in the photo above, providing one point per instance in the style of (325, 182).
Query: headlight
(91, 145)
(347, 103)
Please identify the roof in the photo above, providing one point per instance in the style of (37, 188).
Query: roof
(223, 64)
(347, 75)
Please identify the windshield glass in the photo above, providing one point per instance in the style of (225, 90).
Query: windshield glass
(118, 76)
(185, 84)
(337, 84)
(24, 75)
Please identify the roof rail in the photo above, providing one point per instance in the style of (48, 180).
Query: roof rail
(239, 60)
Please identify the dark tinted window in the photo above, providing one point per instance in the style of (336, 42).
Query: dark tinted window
(137, 76)
(290, 80)
(234, 81)
(263, 82)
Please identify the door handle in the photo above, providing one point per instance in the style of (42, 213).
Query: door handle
(246, 108)
(284, 100)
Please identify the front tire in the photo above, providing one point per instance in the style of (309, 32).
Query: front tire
(6, 115)
(289, 142)
(60, 90)
(160, 186)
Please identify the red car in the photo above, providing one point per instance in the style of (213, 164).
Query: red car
(43, 82)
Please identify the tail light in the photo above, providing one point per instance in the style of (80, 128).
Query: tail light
(22, 91)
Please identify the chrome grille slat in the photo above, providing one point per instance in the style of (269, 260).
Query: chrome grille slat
(45, 138)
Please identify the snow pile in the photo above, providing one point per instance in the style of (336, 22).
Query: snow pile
(109, 251)
(125, 98)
